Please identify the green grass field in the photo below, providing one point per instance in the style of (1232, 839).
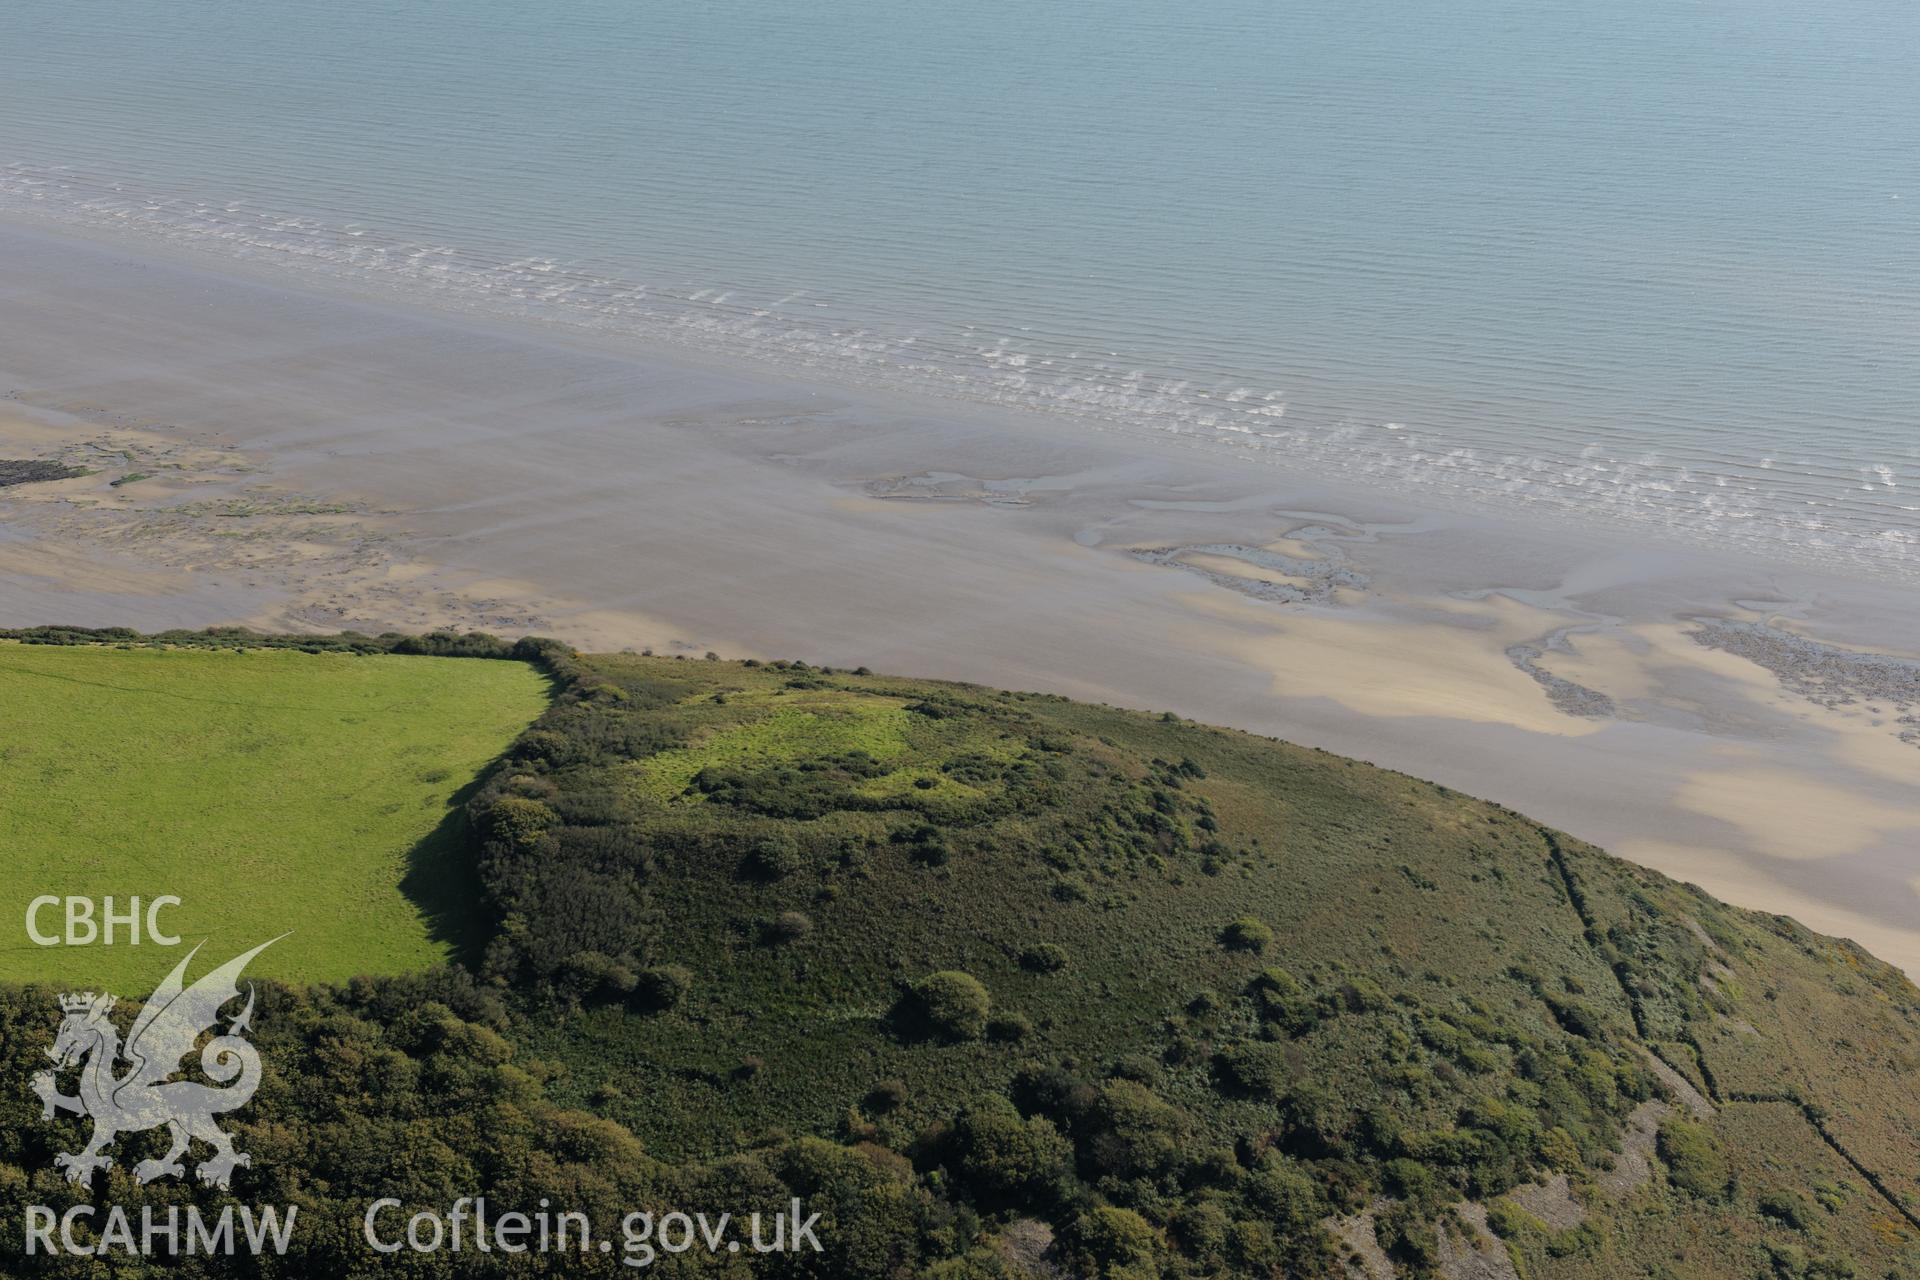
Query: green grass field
(271, 791)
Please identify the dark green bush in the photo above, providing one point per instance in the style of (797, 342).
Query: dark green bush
(1787, 1209)
(1252, 1068)
(662, 988)
(952, 1005)
(1693, 1158)
(1108, 1243)
(597, 974)
(1246, 934)
(788, 928)
(1044, 957)
(774, 857)
(1009, 1028)
(1003, 1159)
(887, 1096)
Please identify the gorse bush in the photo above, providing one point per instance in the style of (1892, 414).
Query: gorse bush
(774, 857)
(788, 928)
(663, 987)
(1246, 934)
(951, 1005)
(1111, 1244)
(1009, 1028)
(1253, 1068)
(1693, 1158)
(1044, 957)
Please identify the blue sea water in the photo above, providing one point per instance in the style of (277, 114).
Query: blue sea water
(1654, 261)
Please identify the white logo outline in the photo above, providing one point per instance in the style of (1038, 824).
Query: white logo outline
(143, 1097)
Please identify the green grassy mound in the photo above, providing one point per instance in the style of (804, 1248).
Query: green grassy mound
(1236, 988)
(268, 790)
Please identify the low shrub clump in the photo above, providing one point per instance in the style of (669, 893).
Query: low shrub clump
(952, 1005)
(1246, 934)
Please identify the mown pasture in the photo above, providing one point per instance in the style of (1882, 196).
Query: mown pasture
(270, 790)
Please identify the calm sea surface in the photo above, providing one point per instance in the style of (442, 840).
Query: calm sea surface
(1650, 260)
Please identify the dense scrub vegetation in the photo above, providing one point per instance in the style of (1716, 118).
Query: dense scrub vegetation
(1016, 987)
(437, 644)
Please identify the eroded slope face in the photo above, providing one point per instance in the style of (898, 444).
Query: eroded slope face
(1208, 1004)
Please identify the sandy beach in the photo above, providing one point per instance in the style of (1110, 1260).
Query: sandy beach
(293, 460)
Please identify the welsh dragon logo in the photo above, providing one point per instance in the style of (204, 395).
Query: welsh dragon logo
(142, 1097)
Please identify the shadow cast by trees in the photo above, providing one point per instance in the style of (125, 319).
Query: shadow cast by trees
(442, 878)
(443, 884)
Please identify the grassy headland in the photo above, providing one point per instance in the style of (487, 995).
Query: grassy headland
(1010, 986)
(1237, 988)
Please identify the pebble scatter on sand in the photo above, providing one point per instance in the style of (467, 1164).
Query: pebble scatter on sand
(1825, 674)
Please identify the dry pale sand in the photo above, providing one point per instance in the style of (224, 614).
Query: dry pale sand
(316, 462)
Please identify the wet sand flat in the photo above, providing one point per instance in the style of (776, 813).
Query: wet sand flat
(293, 460)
